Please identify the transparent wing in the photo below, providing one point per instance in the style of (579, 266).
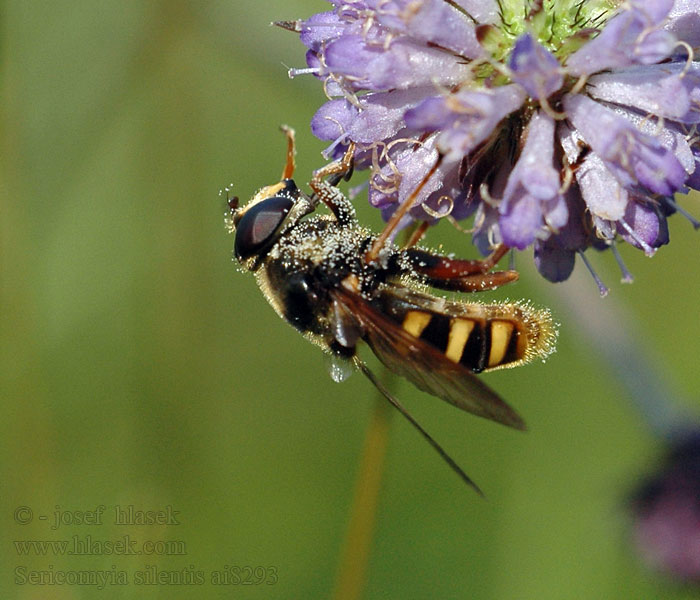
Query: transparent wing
(424, 365)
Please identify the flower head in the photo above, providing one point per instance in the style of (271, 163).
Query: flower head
(558, 124)
(667, 513)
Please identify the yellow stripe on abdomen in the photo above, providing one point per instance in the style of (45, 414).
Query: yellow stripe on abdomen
(501, 332)
(459, 334)
(415, 322)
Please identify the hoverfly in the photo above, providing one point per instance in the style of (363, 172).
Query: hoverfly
(338, 284)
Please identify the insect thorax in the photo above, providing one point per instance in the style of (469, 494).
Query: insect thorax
(305, 264)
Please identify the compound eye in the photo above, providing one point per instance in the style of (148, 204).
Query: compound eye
(258, 225)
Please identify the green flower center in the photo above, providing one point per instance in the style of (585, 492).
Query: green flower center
(561, 26)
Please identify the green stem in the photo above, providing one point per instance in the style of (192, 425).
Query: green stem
(354, 559)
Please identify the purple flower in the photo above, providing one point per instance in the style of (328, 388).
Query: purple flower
(557, 125)
(666, 513)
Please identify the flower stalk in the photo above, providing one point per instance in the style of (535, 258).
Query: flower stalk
(354, 559)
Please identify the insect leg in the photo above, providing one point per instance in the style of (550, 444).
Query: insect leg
(291, 151)
(325, 190)
(417, 235)
(396, 404)
(399, 214)
(346, 329)
(458, 274)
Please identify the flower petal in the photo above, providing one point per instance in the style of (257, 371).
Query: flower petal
(320, 28)
(601, 191)
(475, 116)
(433, 21)
(631, 37)
(382, 114)
(684, 21)
(535, 68)
(664, 90)
(534, 169)
(431, 114)
(531, 198)
(671, 136)
(633, 156)
(482, 11)
(694, 180)
(520, 224)
(554, 263)
(654, 11)
(402, 65)
(333, 119)
(646, 226)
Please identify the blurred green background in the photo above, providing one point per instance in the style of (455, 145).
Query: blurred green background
(140, 368)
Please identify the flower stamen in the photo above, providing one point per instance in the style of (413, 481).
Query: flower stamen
(627, 277)
(437, 214)
(602, 288)
(681, 211)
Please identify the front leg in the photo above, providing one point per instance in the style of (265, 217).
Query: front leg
(328, 193)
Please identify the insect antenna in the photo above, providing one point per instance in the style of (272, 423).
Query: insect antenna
(438, 448)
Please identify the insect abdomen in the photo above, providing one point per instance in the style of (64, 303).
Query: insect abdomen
(478, 344)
